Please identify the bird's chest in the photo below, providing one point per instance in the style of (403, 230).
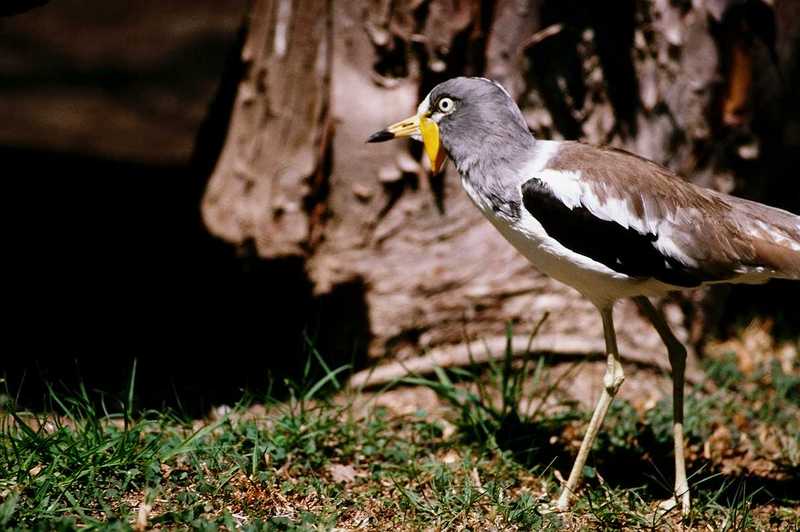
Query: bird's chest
(522, 230)
(507, 216)
(505, 212)
(495, 202)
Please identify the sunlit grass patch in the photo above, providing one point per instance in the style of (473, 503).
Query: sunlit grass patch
(486, 454)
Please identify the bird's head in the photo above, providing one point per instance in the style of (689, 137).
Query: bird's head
(465, 118)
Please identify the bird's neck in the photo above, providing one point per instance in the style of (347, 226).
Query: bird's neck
(485, 154)
(492, 161)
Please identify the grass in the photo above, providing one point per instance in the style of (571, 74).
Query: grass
(468, 449)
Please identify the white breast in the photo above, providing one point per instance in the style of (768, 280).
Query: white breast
(594, 280)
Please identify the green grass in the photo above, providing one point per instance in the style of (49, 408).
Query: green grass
(483, 457)
(270, 470)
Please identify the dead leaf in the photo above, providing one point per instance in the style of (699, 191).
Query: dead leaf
(343, 473)
(142, 516)
(476, 478)
(718, 445)
(451, 457)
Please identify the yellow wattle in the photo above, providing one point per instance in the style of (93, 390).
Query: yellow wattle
(433, 147)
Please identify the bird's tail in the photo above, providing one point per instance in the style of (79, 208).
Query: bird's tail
(775, 235)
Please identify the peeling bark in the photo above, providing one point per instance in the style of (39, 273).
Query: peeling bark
(272, 166)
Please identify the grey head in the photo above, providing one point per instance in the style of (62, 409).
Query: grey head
(480, 125)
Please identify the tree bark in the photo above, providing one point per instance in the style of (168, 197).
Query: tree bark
(273, 159)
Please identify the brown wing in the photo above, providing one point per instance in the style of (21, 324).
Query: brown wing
(720, 235)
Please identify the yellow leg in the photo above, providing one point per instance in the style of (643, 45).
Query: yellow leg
(612, 381)
(677, 360)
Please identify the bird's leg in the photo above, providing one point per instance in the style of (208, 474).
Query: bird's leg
(677, 359)
(611, 382)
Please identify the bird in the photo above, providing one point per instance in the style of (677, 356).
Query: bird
(609, 223)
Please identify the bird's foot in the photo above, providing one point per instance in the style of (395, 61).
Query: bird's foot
(545, 505)
(668, 505)
(545, 508)
(562, 505)
(563, 501)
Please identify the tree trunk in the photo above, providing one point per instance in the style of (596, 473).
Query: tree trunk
(295, 177)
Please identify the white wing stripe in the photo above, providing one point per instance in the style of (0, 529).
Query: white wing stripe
(568, 187)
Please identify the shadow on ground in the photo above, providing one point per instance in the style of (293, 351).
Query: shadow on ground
(108, 262)
(647, 464)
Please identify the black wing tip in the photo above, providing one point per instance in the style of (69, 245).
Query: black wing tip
(381, 136)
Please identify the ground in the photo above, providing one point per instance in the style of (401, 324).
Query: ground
(477, 449)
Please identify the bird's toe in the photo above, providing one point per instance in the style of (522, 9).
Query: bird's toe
(667, 506)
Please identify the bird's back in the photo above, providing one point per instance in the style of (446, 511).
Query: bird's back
(703, 235)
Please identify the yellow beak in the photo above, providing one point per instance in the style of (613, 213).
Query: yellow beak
(416, 125)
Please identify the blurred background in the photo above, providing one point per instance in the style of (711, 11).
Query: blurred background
(187, 182)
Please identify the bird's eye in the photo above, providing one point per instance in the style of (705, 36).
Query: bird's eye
(446, 105)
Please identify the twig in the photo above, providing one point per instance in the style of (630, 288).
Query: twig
(544, 33)
(493, 348)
